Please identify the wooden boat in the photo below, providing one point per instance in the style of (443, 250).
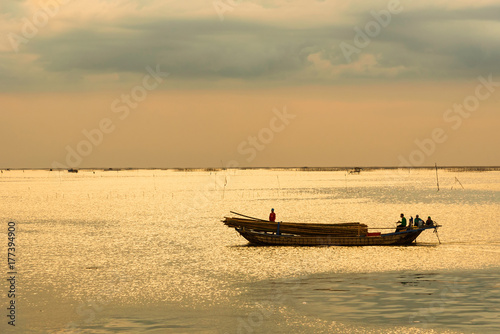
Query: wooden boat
(261, 232)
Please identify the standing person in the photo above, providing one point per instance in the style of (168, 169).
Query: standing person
(272, 216)
(402, 223)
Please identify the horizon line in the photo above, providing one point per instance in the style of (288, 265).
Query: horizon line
(260, 167)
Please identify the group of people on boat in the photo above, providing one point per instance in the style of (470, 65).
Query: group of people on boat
(417, 222)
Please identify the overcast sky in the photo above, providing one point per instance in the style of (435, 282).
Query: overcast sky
(202, 83)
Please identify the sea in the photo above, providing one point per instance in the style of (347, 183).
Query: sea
(145, 251)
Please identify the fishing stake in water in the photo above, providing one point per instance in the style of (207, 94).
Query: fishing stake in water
(437, 179)
(437, 235)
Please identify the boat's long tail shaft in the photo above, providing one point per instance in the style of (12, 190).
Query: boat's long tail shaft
(239, 214)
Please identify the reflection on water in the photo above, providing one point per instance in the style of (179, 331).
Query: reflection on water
(457, 300)
(146, 249)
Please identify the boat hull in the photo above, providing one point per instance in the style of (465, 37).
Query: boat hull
(389, 239)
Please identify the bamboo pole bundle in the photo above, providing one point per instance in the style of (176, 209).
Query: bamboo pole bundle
(343, 229)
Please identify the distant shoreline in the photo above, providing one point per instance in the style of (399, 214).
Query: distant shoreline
(304, 169)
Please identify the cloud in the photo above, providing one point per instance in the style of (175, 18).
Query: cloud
(367, 65)
(13, 8)
(189, 49)
(424, 41)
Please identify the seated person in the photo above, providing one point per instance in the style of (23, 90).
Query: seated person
(429, 221)
(419, 222)
(402, 224)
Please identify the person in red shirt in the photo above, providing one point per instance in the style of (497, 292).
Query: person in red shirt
(272, 216)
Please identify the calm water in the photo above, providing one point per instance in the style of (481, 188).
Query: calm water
(145, 251)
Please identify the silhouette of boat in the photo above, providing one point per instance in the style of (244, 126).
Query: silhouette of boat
(261, 232)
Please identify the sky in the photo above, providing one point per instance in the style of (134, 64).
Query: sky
(271, 83)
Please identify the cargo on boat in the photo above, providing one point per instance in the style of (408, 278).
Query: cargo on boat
(262, 232)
